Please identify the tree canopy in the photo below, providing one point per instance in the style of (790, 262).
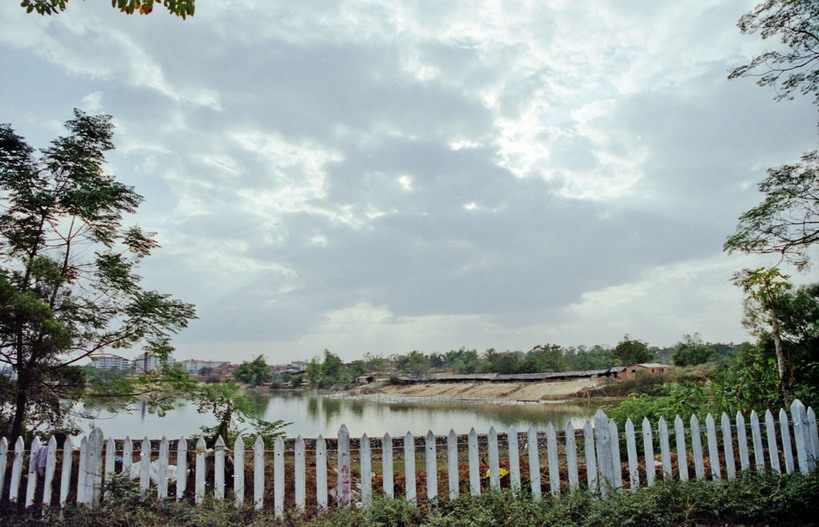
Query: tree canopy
(181, 8)
(68, 282)
(254, 373)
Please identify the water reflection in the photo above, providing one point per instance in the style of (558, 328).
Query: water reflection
(313, 413)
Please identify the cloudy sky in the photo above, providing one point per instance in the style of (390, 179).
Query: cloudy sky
(381, 176)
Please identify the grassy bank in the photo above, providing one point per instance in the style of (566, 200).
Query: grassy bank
(754, 499)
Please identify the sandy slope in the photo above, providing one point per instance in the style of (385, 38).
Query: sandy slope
(517, 391)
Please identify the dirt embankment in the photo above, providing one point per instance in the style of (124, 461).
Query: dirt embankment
(507, 391)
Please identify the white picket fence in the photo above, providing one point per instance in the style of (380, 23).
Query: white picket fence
(51, 477)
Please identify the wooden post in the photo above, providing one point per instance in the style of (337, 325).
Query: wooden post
(801, 436)
(344, 483)
(665, 447)
(51, 468)
(31, 486)
(696, 448)
(431, 467)
(409, 468)
(278, 475)
(453, 477)
(787, 451)
(616, 464)
(386, 464)
(145, 465)
(571, 457)
(713, 451)
(514, 459)
(95, 446)
(591, 459)
(648, 452)
(534, 463)
(321, 472)
(299, 476)
(494, 459)
(163, 461)
(110, 454)
(773, 453)
(366, 472)
(551, 456)
(127, 457)
(219, 469)
(82, 472)
(756, 438)
(4, 453)
(238, 471)
(201, 451)
(65, 470)
(814, 435)
(682, 455)
(742, 442)
(633, 461)
(602, 439)
(474, 467)
(181, 467)
(728, 446)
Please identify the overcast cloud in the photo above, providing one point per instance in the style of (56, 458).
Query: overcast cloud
(383, 176)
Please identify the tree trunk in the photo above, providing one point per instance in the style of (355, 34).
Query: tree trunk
(783, 365)
(21, 401)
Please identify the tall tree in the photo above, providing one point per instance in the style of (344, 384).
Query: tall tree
(68, 282)
(254, 373)
(632, 351)
(181, 8)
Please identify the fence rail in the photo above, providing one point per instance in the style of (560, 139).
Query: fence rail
(301, 470)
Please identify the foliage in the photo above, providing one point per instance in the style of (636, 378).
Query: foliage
(632, 351)
(181, 8)
(254, 373)
(787, 220)
(752, 498)
(796, 23)
(68, 286)
(331, 371)
(414, 363)
(692, 351)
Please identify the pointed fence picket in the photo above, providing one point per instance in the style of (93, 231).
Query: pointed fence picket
(727, 446)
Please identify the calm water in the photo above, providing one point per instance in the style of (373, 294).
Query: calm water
(312, 414)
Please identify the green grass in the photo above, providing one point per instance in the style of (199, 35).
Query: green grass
(753, 499)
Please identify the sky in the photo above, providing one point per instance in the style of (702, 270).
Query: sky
(385, 176)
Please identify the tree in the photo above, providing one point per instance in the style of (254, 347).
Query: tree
(414, 363)
(181, 8)
(787, 220)
(764, 289)
(68, 286)
(254, 373)
(632, 351)
(692, 351)
(231, 406)
(796, 22)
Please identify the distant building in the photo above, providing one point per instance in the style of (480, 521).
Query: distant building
(147, 362)
(651, 368)
(194, 366)
(109, 361)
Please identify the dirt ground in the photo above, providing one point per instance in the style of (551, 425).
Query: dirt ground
(513, 391)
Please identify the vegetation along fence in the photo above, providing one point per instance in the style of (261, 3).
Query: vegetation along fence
(298, 477)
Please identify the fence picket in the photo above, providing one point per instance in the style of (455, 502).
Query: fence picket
(756, 439)
(31, 483)
(785, 431)
(801, 436)
(534, 463)
(474, 467)
(602, 438)
(494, 459)
(728, 446)
(631, 452)
(110, 455)
(199, 488)
(238, 471)
(665, 447)
(182, 467)
(514, 459)
(94, 466)
(409, 468)
(4, 453)
(366, 472)
(616, 463)
(145, 465)
(812, 433)
(742, 441)
(554, 468)
(344, 490)
(773, 453)
(299, 479)
(696, 448)
(571, 457)
(591, 458)
(51, 468)
(82, 469)
(127, 457)
(162, 462)
(65, 470)
(321, 473)
(386, 464)
(278, 474)
(431, 467)
(453, 478)
(682, 455)
(648, 452)
(713, 451)
(218, 469)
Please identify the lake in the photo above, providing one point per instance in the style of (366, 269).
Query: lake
(314, 413)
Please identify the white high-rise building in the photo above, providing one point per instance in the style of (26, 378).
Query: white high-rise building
(109, 361)
(147, 362)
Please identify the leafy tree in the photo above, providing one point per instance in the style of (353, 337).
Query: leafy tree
(632, 351)
(313, 372)
(332, 369)
(231, 406)
(796, 23)
(254, 373)
(692, 351)
(414, 363)
(787, 220)
(182, 8)
(68, 286)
